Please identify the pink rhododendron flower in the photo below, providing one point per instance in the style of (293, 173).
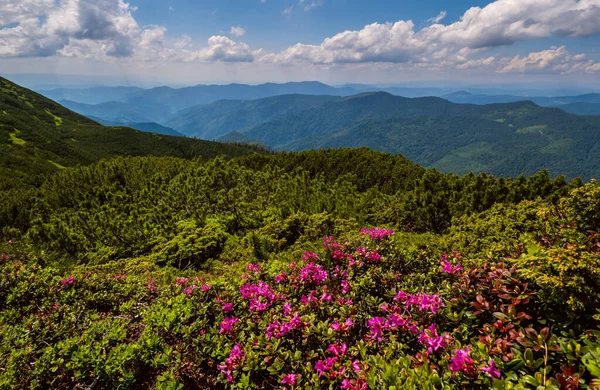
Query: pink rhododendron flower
(330, 243)
(377, 326)
(120, 277)
(354, 384)
(279, 329)
(151, 285)
(342, 327)
(424, 302)
(309, 256)
(313, 273)
(287, 309)
(182, 281)
(491, 370)
(261, 295)
(228, 324)
(206, 287)
(323, 366)
(339, 255)
(190, 290)
(345, 286)
(228, 307)
(447, 266)
(234, 361)
(68, 281)
(461, 361)
(356, 366)
(253, 268)
(377, 233)
(290, 379)
(281, 277)
(372, 256)
(430, 338)
(338, 349)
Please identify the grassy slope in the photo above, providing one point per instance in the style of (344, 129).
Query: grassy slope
(38, 136)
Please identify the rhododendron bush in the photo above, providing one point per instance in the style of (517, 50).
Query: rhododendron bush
(353, 314)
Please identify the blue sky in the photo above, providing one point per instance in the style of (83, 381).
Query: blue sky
(335, 41)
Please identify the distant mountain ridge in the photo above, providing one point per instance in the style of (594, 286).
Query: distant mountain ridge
(506, 139)
(162, 104)
(147, 127)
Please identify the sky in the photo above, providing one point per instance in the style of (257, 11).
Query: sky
(185, 42)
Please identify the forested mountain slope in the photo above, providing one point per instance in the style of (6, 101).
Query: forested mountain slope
(504, 139)
(39, 136)
(219, 118)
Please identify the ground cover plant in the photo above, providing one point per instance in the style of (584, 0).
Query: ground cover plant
(370, 308)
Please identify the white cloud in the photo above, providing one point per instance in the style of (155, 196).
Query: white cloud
(106, 30)
(500, 23)
(237, 31)
(436, 19)
(555, 59)
(310, 6)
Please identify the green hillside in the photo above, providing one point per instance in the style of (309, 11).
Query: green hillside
(39, 136)
(166, 273)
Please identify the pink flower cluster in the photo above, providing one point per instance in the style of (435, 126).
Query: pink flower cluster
(189, 290)
(338, 349)
(342, 327)
(309, 256)
(281, 277)
(377, 233)
(253, 268)
(151, 285)
(491, 370)
(447, 266)
(461, 361)
(181, 281)
(331, 244)
(290, 379)
(313, 273)
(120, 276)
(354, 384)
(425, 302)
(432, 340)
(279, 329)
(372, 256)
(228, 307)
(261, 295)
(68, 281)
(323, 366)
(228, 324)
(235, 359)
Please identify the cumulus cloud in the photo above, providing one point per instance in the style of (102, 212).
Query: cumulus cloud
(100, 29)
(237, 31)
(502, 22)
(107, 30)
(555, 59)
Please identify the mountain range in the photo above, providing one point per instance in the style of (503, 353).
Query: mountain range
(506, 139)
(164, 104)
